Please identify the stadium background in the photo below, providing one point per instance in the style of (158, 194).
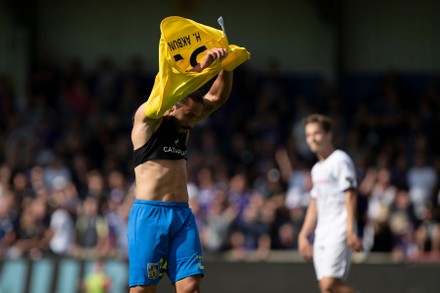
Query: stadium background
(352, 60)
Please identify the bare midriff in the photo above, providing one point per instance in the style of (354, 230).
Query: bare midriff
(162, 180)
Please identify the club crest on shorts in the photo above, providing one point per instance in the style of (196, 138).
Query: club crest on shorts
(153, 270)
(201, 265)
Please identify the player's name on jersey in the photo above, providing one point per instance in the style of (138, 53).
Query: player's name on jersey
(183, 41)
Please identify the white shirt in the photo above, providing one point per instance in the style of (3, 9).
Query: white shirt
(421, 183)
(331, 178)
(64, 231)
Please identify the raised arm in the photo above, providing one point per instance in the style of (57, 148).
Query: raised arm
(284, 163)
(221, 88)
(218, 93)
(144, 124)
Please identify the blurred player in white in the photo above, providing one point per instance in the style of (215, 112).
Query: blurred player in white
(331, 212)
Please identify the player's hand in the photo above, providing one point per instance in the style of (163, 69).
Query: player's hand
(212, 55)
(305, 248)
(354, 242)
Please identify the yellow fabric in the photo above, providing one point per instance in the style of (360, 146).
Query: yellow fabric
(96, 283)
(180, 40)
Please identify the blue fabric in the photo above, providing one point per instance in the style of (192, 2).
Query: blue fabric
(162, 239)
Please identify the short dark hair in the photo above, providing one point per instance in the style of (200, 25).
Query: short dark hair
(196, 96)
(325, 122)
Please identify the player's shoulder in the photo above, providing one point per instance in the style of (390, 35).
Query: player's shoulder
(341, 155)
(340, 158)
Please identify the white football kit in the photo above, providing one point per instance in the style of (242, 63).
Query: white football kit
(331, 178)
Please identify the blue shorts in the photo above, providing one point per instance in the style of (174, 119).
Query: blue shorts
(162, 238)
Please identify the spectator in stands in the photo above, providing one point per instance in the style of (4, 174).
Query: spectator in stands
(8, 222)
(96, 187)
(239, 193)
(250, 235)
(403, 223)
(207, 187)
(56, 170)
(122, 224)
(91, 229)
(33, 232)
(219, 219)
(37, 181)
(381, 193)
(297, 178)
(422, 180)
(428, 233)
(62, 222)
(114, 209)
(287, 237)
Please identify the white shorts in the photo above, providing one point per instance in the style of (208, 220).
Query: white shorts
(331, 260)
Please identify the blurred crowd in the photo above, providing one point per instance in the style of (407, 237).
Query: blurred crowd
(66, 172)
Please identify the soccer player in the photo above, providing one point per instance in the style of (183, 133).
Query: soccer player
(331, 212)
(163, 236)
